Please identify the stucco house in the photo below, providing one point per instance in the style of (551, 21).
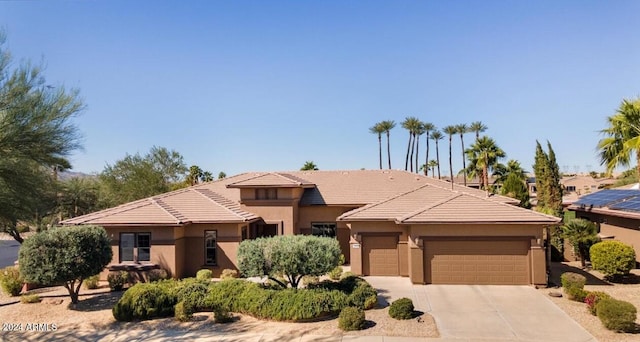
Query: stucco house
(388, 222)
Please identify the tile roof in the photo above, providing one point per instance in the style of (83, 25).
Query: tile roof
(433, 204)
(271, 179)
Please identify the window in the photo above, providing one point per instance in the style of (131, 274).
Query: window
(571, 188)
(135, 247)
(267, 194)
(210, 239)
(323, 229)
(244, 233)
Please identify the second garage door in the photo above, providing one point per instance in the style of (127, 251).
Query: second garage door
(477, 262)
(380, 255)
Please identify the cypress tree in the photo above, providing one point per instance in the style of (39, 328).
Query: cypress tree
(554, 187)
(540, 168)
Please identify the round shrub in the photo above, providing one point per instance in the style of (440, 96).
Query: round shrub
(576, 294)
(204, 274)
(335, 273)
(144, 301)
(222, 316)
(183, 312)
(401, 309)
(613, 258)
(117, 280)
(570, 279)
(351, 318)
(92, 282)
(616, 315)
(593, 298)
(363, 296)
(157, 274)
(10, 280)
(228, 274)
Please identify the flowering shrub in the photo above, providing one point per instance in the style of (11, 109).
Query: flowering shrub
(593, 298)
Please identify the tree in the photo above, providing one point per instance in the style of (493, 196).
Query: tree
(78, 196)
(291, 256)
(477, 127)
(514, 187)
(418, 132)
(378, 130)
(37, 134)
(222, 175)
(437, 136)
(462, 129)
(581, 234)
(622, 137)
(501, 171)
(428, 128)
(484, 155)
(206, 176)
(65, 255)
(410, 124)
(548, 187)
(387, 126)
(194, 176)
(432, 166)
(309, 166)
(450, 131)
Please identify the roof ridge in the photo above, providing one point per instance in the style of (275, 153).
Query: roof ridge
(428, 207)
(168, 209)
(283, 175)
(372, 205)
(516, 207)
(115, 210)
(228, 205)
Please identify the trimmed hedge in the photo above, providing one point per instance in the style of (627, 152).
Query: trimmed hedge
(616, 315)
(145, 301)
(613, 258)
(204, 274)
(401, 309)
(351, 318)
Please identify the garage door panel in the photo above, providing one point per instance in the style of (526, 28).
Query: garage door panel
(380, 255)
(477, 262)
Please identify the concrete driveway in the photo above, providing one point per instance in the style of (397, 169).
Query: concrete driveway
(486, 312)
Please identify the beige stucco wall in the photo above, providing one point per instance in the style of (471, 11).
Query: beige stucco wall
(626, 230)
(325, 214)
(358, 229)
(229, 238)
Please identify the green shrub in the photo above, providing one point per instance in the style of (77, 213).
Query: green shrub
(592, 299)
(401, 309)
(145, 301)
(157, 274)
(351, 318)
(310, 280)
(11, 281)
(204, 274)
(348, 275)
(222, 316)
(341, 260)
(117, 280)
(570, 279)
(363, 296)
(228, 274)
(193, 294)
(576, 294)
(335, 273)
(92, 282)
(183, 312)
(30, 298)
(616, 315)
(613, 258)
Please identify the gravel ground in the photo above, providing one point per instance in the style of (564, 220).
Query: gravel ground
(579, 311)
(93, 312)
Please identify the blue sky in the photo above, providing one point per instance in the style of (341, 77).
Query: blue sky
(241, 86)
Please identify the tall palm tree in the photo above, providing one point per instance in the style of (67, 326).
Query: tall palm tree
(428, 128)
(410, 124)
(622, 137)
(387, 126)
(450, 131)
(378, 129)
(309, 166)
(477, 127)
(462, 130)
(432, 166)
(419, 131)
(484, 155)
(437, 136)
(501, 171)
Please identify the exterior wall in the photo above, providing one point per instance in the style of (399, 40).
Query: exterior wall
(622, 229)
(358, 229)
(228, 239)
(274, 212)
(325, 214)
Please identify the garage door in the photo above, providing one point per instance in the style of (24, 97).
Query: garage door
(477, 262)
(380, 255)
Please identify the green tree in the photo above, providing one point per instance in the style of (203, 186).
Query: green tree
(378, 130)
(420, 130)
(462, 129)
(66, 255)
(477, 127)
(548, 187)
(309, 166)
(501, 171)
(432, 166)
(78, 196)
(515, 187)
(436, 136)
(484, 155)
(194, 176)
(450, 131)
(222, 175)
(581, 234)
(622, 137)
(291, 256)
(37, 134)
(387, 126)
(541, 171)
(428, 128)
(410, 123)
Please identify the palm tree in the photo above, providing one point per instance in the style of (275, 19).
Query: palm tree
(462, 130)
(484, 155)
(450, 131)
(387, 126)
(207, 176)
(437, 136)
(477, 127)
(428, 127)
(410, 124)
(622, 137)
(581, 234)
(432, 166)
(418, 132)
(309, 166)
(378, 129)
(195, 173)
(501, 171)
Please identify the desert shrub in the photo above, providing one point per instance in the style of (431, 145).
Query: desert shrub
(92, 282)
(225, 293)
(592, 299)
(363, 296)
(613, 258)
(616, 315)
(576, 294)
(157, 274)
(401, 309)
(10, 280)
(228, 274)
(30, 298)
(351, 318)
(335, 273)
(222, 316)
(193, 294)
(309, 280)
(341, 260)
(145, 301)
(183, 312)
(570, 279)
(117, 280)
(204, 274)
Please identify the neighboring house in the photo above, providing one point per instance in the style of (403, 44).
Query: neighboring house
(616, 212)
(573, 187)
(391, 223)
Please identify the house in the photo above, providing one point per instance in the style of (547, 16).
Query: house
(573, 186)
(616, 212)
(388, 222)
